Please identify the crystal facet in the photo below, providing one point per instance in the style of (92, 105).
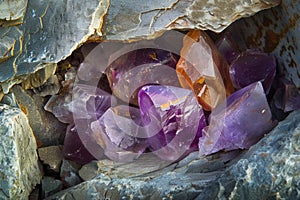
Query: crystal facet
(245, 119)
(203, 69)
(134, 69)
(175, 117)
(118, 131)
(227, 47)
(74, 149)
(252, 66)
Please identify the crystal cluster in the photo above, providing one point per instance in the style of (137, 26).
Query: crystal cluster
(210, 98)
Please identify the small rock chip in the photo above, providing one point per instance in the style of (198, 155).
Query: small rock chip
(51, 156)
(69, 173)
(19, 171)
(88, 171)
(50, 186)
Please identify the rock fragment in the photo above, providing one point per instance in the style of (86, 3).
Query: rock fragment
(51, 156)
(19, 171)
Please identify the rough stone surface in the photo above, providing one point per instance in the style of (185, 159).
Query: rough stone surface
(50, 31)
(88, 171)
(69, 173)
(50, 186)
(269, 169)
(46, 128)
(51, 156)
(19, 171)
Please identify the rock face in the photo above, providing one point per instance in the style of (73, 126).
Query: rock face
(46, 128)
(36, 33)
(268, 170)
(19, 162)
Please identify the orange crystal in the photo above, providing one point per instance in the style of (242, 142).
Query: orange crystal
(204, 70)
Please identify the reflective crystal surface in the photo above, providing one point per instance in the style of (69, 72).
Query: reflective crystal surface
(172, 118)
(238, 123)
(204, 70)
(118, 132)
(252, 66)
(134, 69)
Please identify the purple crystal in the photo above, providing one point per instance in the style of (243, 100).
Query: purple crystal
(287, 96)
(227, 47)
(74, 149)
(118, 131)
(238, 123)
(252, 66)
(81, 102)
(173, 117)
(134, 69)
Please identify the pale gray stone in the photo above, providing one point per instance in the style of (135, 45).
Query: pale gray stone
(51, 156)
(69, 173)
(88, 171)
(46, 128)
(50, 186)
(19, 171)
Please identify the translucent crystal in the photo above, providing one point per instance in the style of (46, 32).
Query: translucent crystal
(118, 131)
(252, 66)
(246, 118)
(203, 69)
(134, 69)
(173, 118)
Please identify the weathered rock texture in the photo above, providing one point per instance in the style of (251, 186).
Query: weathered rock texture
(270, 169)
(19, 171)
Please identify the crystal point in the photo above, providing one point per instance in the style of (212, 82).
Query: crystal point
(252, 66)
(238, 123)
(175, 117)
(203, 69)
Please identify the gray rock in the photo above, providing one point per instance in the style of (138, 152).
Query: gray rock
(19, 171)
(46, 128)
(89, 171)
(50, 186)
(270, 169)
(51, 156)
(69, 173)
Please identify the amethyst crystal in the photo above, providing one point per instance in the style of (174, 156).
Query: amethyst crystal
(134, 69)
(81, 102)
(118, 131)
(238, 123)
(173, 118)
(74, 149)
(287, 96)
(252, 66)
(227, 47)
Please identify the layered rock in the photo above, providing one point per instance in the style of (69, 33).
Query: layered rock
(19, 161)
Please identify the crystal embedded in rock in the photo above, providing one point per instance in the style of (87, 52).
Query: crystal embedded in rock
(287, 96)
(227, 47)
(74, 149)
(252, 66)
(136, 68)
(238, 123)
(172, 118)
(80, 102)
(202, 68)
(118, 131)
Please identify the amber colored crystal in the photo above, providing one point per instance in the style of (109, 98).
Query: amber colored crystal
(203, 69)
